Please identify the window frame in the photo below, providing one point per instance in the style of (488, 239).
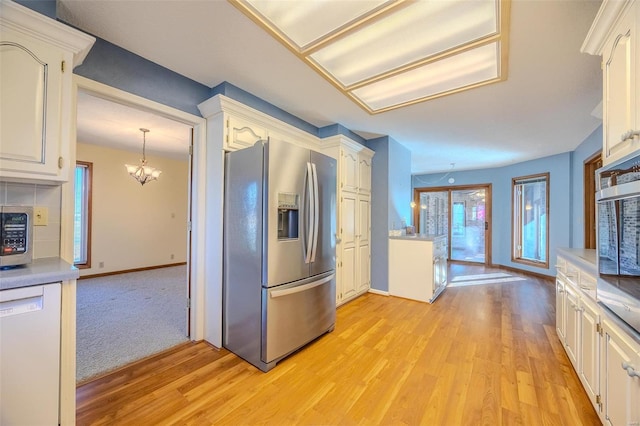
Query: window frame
(516, 221)
(88, 185)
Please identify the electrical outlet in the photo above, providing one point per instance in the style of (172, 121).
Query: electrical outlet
(41, 216)
(172, 256)
(101, 265)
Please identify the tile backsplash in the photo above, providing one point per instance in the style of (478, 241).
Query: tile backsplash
(46, 239)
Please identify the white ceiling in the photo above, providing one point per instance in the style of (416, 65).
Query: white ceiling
(106, 123)
(544, 107)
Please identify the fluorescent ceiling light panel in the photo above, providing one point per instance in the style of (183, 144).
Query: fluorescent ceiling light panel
(463, 70)
(388, 54)
(421, 30)
(304, 22)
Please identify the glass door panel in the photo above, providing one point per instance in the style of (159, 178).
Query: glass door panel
(468, 225)
(434, 213)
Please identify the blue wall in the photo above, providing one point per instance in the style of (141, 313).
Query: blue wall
(119, 68)
(400, 193)
(379, 213)
(390, 202)
(566, 204)
(44, 7)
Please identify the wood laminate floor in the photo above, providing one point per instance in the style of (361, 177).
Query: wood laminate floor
(484, 354)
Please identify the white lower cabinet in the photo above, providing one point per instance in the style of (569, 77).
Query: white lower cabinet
(347, 273)
(605, 357)
(621, 377)
(572, 322)
(589, 350)
(561, 328)
(363, 243)
(417, 267)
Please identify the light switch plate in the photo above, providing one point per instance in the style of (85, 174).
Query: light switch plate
(41, 216)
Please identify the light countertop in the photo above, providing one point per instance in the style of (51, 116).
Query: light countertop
(585, 259)
(417, 237)
(41, 271)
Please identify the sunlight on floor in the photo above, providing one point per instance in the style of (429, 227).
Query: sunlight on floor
(479, 279)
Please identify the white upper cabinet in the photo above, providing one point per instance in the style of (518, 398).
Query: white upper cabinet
(364, 172)
(613, 35)
(348, 169)
(241, 126)
(243, 133)
(37, 57)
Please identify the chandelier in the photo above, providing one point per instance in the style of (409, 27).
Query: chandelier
(143, 173)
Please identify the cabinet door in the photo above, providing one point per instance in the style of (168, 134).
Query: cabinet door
(348, 286)
(560, 310)
(619, 86)
(31, 81)
(242, 133)
(348, 211)
(348, 170)
(621, 370)
(572, 323)
(364, 215)
(347, 250)
(364, 271)
(590, 350)
(364, 174)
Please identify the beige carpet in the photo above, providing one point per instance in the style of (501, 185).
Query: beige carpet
(123, 318)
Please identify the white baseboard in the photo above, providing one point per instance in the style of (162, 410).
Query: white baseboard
(380, 292)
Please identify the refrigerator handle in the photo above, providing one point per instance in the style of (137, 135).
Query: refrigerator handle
(310, 215)
(316, 218)
(301, 288)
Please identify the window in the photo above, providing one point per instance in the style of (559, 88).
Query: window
(530, 242)
(82, 215)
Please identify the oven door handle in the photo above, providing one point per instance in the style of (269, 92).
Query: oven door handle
(618, 192)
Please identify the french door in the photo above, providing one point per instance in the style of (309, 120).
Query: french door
(463, 213)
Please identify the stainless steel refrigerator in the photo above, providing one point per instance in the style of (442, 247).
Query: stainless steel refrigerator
(279, 250)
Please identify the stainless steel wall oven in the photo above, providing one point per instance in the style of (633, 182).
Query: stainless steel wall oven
(618, 238)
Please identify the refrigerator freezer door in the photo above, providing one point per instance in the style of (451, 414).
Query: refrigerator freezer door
(297, 313)
(286, 167)
(325, 253)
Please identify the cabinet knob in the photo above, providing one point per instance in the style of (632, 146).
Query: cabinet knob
(629, 135)
(630, 370)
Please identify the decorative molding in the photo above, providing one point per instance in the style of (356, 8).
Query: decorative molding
(26, 21)
(380, 292)
(342, 140)
(607, 17)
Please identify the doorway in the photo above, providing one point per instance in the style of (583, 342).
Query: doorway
(591, 164)
(153, 261)
(460, 212)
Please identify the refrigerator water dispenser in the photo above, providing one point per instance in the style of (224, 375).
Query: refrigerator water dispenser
(288, 210)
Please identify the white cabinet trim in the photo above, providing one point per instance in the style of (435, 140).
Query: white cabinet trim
(606, 19)
(38, 26)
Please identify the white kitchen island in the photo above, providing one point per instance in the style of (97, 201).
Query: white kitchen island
(417, 266)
